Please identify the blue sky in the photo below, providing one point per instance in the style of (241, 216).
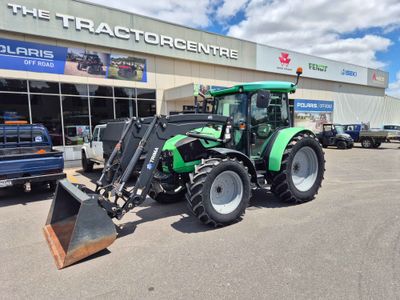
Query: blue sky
(357, 31)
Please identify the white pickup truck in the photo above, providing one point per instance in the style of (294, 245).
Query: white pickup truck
(92, 149)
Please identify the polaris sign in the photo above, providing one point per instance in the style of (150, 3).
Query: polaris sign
(33, 57)
(303, 105)
(123, 32)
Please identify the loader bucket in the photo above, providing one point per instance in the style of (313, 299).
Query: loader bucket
(76, 226)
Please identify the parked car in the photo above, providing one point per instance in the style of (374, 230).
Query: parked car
(368, 138)
(27, 157)
(393, 132)
(334, 135)
(92, 149)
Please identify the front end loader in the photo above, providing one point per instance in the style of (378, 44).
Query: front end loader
(214, 161)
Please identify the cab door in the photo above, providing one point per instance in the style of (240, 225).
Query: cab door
(97, 143)
(264, 121)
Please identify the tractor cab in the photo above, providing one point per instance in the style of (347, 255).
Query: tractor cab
(257, 110)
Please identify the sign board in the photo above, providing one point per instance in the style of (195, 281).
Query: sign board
(377, 78)
(286, 62)
(90, 24)
(41, 58)
(312, 114)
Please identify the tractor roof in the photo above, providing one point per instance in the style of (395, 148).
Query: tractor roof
(274, 86)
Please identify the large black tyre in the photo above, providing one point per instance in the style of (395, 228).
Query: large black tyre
(220, 191)
(287, 184)
(87, 165)
(341, 145)
(377, 144)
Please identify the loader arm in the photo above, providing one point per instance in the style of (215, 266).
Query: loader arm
(150, 136)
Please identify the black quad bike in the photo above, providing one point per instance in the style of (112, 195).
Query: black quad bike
(214, 161)
(334, 135)
(92, 63)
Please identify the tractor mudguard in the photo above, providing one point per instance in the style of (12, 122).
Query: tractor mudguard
(226, 152)
(277, 145)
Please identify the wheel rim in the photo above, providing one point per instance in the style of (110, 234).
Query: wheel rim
(304, 169)
(226, 192)
(367, 143)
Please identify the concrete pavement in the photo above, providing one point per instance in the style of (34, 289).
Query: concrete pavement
(343, 245)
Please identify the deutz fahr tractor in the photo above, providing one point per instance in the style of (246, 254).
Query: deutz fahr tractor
(215, 161)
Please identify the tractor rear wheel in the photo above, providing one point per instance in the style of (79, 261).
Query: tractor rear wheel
(220, 191)
(302, 170)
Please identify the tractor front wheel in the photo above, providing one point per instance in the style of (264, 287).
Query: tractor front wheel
(302, 170)
(220, 191)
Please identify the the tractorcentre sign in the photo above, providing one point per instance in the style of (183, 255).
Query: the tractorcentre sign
(74, 23)
(122, 32)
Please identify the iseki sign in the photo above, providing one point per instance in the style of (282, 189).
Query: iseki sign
(124, 33)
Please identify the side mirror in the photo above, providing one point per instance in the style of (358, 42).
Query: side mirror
(263, 98)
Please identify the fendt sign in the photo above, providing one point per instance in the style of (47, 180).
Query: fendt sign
(123, 33)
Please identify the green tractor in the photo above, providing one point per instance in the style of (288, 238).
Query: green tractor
(214, 161)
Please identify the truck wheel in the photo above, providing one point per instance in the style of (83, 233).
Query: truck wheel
(220, 191)
(87, 165)
(366, 143)
(377, 144)
(341, 144)
(302, 170)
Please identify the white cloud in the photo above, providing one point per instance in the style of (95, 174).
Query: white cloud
(230, 8)
(319, 27)
(394, 87)
(190, 13)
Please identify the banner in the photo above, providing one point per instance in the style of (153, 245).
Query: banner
(40, 58)
(312, 114)
(32, 57)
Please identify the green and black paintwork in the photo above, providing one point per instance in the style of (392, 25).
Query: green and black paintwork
(246, 142)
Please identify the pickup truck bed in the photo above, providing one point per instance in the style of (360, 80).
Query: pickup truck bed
(28, 164)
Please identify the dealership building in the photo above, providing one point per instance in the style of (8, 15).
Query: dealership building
(71, 65)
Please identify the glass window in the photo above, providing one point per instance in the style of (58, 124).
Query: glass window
(100, 91)
(12, 85)
(146, 94)
(46, 87)
(74, 89)
(101, 109)
(49, 117)
(11, 136)
(125, 92)
(96, 135)
(25, 136)
(14, 108)
(76, 119)
(125, 108)
(146, 108)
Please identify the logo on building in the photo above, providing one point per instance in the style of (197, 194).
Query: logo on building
(349, 73)
(317, 67)
(378, 78)
(284, 59)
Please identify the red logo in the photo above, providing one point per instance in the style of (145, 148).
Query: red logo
(284, 59)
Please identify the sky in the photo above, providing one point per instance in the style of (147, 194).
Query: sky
(362, 32)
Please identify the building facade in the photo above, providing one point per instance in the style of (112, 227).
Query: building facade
(71, 65)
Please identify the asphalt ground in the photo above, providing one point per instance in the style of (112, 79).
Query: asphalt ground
(343, 245)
